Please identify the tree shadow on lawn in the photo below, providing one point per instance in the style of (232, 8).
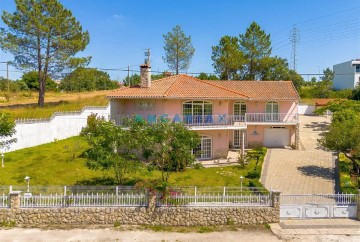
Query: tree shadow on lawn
(105, 181)
(317, 171)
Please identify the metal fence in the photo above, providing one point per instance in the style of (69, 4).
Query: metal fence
(4, 203)
(214, 197)
(323, 199)
(85, 200)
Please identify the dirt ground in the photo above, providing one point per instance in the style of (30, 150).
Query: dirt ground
(30, 235)
(111, 234)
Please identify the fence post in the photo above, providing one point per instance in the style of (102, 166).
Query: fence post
(117, 190)
(151, 200)
(358, 204)
(195, 194)
(275, 198)
(14, 199)
(64, 190)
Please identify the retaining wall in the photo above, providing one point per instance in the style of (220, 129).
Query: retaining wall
(33, 132)
(150, 215)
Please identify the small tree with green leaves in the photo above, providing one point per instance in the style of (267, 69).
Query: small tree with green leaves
(344, 136)
(7, 130)
(112, 148)
(178, 49)
(170, 145)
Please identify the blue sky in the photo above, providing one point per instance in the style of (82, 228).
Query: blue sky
(121, 30)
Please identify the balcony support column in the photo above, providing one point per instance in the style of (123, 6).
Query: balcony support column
(242, 142)
(297, 136)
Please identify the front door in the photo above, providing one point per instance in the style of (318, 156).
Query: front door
(237, 138)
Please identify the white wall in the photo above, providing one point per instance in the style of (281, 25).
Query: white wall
(344, 76)
(306, 109)
(35, 132)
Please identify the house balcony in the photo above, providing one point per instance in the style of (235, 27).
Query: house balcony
(208, 122)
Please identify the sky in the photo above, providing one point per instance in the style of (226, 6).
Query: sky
(121, 30)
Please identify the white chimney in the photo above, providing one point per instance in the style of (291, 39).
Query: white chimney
(145, 74)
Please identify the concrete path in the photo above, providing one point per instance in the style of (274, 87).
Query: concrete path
(309, 170)
(317, 230)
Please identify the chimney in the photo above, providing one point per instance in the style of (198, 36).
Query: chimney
(145, 74)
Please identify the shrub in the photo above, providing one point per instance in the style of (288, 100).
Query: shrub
(253, 174)
(197, 166)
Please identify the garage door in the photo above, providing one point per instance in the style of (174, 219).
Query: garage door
(276, 137)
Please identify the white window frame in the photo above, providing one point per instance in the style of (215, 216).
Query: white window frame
(197, 102)
(240, 109)
(203, 155)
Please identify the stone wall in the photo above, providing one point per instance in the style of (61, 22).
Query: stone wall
(151, 215)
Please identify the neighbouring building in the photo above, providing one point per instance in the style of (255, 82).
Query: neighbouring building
(347, 75)
(226, 114)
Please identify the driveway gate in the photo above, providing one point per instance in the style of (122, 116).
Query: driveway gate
(318, 206)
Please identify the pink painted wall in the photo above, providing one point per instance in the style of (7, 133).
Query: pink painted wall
(220, 141)
(172, 107)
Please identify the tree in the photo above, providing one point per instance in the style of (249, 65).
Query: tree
(87, 79)
(328, 75)
(169, 146)
(111, 148)
(355, 93)
(178, 49)
(227, 58)
(31, 79)
(255, 45)
(343, 136)
(204, 76)
(132, 80)
(44, 36)
(7, 130)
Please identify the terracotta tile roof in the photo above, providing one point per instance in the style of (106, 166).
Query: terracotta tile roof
(323, 101)
(184, 86)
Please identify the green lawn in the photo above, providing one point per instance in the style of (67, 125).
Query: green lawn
(53, 164)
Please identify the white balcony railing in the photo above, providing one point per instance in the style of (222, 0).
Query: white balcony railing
(209, 120)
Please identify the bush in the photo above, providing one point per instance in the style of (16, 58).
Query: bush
(253, 174)
(87, 79)
(197, 166)
(31, 79)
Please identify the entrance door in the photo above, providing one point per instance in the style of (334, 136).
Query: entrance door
(237, 138)
(272, 112)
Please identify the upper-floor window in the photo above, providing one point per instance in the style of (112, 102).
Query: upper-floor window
(272, 107)
(239, 108)
(197, 108)
(357, 68)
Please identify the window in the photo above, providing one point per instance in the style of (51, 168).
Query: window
(237, 142)
(204, 150)
(144, 106)
(239, 108)
(357, 68)
(272, 111)
(197, 108)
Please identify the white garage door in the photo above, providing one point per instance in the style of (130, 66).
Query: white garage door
(275, 137)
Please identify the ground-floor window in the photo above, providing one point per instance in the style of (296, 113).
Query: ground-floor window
(203, 151)
(237, 142)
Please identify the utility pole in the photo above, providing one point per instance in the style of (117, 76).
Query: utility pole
(7, 73)
(294, 41)
(129, 75)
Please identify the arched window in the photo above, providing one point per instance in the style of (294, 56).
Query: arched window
(239, 108)
(204, 150)
(272, 107)
(197, 108)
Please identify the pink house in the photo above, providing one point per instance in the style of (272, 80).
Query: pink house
(226, 114)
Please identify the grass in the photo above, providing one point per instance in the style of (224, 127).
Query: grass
(348, 183)
(55, 102)
(62, 163)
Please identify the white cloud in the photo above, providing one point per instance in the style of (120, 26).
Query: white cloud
(118, 16)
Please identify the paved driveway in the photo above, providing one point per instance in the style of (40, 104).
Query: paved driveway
(309, 170)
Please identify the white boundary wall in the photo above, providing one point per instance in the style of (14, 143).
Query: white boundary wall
(306, 109)
(33, 132)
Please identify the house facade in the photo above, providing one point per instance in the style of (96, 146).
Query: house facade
(226, 114)
(347, 75)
